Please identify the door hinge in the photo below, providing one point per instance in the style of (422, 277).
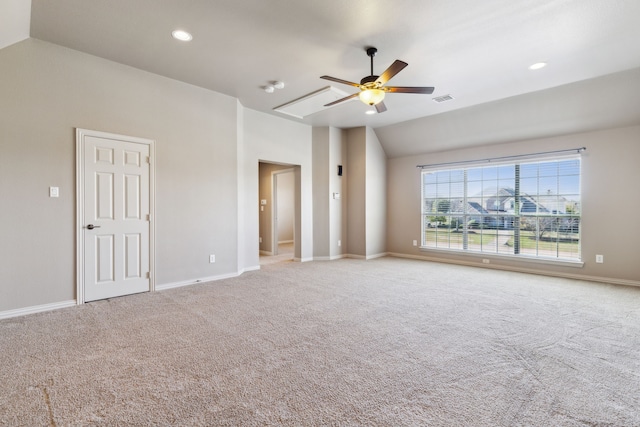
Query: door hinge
(147, 159)
(148, 217)
(148, 275)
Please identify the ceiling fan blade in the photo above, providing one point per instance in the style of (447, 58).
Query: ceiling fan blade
(394, 69)
(399, 89)
(333, 79)
(342, 99)
(380, 107)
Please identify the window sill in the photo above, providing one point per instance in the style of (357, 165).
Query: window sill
(507, 257)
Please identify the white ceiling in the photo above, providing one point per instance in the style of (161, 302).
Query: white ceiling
(477, 51)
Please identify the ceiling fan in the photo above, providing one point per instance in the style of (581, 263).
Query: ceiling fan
(372, 89)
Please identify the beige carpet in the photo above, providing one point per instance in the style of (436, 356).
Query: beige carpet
(385, 342)
(285, 253)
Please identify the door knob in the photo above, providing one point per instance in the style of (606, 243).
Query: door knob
(91, 226)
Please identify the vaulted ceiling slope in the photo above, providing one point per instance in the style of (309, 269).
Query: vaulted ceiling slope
(15, 17)
(476, 51)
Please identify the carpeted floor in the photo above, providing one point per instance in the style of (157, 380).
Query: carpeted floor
(384, 342)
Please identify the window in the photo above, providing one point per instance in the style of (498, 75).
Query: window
(529, 208)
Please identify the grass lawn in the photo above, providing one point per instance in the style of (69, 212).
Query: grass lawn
(444, 237)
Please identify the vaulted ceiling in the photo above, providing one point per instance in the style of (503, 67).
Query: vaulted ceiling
(476, 51)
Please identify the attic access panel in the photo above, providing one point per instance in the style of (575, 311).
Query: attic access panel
(311, 103)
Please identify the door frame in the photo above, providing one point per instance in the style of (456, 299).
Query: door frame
(274, 208)
(80, 200)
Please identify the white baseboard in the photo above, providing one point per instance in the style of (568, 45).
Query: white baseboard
(180, 284)
(303, 259)
(609, 280)
(329, 258)
(36, 309)
(365, 257)
(380, 255)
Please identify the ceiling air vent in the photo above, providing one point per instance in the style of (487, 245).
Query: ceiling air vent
(443, 98)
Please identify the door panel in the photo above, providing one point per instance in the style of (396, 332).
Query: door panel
(116, 217)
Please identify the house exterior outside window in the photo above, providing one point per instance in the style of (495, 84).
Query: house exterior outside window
(528, 209)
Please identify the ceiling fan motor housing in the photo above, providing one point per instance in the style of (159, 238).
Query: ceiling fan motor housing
(368, 79)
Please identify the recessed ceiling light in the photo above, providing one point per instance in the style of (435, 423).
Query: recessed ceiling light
(538, 65)
(370, 112)
(181, 35)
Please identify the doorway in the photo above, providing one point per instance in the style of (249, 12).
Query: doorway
(114, 215)
(278, 213)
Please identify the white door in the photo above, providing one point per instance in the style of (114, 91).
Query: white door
(116, 224)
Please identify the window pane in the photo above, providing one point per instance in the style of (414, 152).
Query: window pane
(529, 170)
(548, 185)
(507, 172)
(429, 178)
(474, 174)
(569, 184)
(569, 167)
(490, 172)
(529, 185)
(457, 175)
(548, 169)
(481, 213)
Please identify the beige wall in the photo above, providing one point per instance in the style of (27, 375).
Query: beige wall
(609, 202)
(47, 91)
(321, 146)
(356, 192)
(329, 211)
(337, 184)
(376, 192)
(271, 139)
(366, 194)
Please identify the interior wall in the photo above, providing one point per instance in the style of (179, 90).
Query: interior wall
(284, 186)
(337, 184)
(356, 192)
(376, 193)
(609, 174)
(329, 193)
(265, 215)
(46, 91)
(271, 139)
(321, 190)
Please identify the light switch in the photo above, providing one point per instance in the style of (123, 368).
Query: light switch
(336, 196)
(54, 192)
(263, 201)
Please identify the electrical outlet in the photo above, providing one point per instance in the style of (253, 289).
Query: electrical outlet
(415, 243)
(212, 258)
(600, 259)
(260, 239)
(339, 242)
(486, 261)
(54, 192)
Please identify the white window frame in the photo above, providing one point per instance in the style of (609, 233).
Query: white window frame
(557, 215)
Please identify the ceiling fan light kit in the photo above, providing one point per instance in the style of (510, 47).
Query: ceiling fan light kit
(371, 96)
(372, 89)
